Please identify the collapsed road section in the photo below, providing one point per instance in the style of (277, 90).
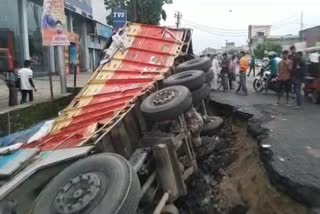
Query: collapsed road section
(232, 178)
(286, 143)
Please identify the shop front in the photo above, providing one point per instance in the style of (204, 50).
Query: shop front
(72, 54)
(10, 31)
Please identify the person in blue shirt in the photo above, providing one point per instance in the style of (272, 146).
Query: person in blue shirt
(273, 66)
(47, 20)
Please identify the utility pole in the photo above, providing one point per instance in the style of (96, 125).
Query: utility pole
(301, 21)
(178, 16)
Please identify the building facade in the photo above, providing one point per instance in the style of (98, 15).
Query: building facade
(87, 32)
(311, 36)
(284, 41)
(253, 30)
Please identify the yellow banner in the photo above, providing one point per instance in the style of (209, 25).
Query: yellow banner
(53, 24)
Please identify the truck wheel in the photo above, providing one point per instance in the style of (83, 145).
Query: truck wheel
(212, 126)
(170, 209)
(209, 76)
(103, 183)
(200, 94)
(316, 97)
(190, 79)
(167, 104)
(203, 64)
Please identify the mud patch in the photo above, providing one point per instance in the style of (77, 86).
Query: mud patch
(232, 179)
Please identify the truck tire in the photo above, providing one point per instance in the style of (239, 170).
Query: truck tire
(167, 104)
(200, 94)
(103, 183)
(190, 79)
(209, 75)
(212, 126)
(170, 209)
(203, 64)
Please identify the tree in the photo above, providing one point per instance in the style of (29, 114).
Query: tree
(146, 11)
(259, 52)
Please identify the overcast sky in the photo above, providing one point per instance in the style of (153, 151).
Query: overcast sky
(215, 21)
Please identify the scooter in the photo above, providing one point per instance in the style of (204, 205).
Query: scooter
(264, 82)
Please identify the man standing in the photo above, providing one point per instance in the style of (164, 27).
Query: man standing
(298, 72)
(215, 68)
(225, 65)
(252, 66)
(11, 80)
(285, 67)
(25, 82)
(232, 72)
(244, 65)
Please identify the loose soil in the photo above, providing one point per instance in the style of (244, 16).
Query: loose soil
(232, 179)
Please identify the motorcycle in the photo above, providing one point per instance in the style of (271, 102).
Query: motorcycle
(264, 82)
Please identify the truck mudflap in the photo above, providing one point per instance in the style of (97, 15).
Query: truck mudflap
(36, 161)
(115, 86)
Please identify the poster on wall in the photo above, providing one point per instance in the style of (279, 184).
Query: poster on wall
(53, 24)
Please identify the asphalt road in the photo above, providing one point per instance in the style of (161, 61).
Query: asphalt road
(289, 141)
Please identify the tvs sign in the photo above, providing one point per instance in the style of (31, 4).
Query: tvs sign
(120, 17)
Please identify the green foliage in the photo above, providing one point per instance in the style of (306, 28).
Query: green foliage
(261, 49)
(147, 11)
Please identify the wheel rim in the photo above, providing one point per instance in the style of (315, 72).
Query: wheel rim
(164, 97)
(257, 85)
(79, 193)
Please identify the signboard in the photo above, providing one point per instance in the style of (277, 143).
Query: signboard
(53, 24)
(120, 18)
(82, 7)
(103, 31)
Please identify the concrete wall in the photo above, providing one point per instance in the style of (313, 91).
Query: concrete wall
(23, 117)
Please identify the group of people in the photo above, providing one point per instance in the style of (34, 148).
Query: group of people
(20, 79)
(229, 68)
(289, 72)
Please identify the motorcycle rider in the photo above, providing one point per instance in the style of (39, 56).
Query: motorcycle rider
(273, 66)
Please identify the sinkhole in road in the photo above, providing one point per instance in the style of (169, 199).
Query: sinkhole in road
(231, 177)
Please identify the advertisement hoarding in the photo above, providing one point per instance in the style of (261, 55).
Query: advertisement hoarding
(53, 24)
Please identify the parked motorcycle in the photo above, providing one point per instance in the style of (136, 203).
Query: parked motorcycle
(264, 82)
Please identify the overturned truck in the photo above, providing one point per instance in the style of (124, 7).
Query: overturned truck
(125, 143)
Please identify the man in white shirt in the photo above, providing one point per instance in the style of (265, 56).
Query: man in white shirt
(216, 70)
(26, 84)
